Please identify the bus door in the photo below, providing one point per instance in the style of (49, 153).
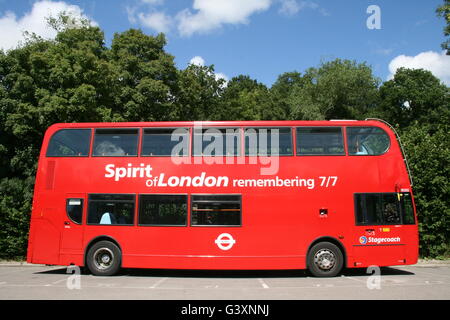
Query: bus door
(383, 228)
(72, 234)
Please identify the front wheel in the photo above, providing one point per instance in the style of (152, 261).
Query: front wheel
(325, 260)
(104, 259)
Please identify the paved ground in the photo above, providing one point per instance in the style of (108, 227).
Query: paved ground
(422, 281)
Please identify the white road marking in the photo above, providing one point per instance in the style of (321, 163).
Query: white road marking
(264, 285)
(157, 283)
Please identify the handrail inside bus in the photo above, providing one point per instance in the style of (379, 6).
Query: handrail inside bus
(400, 143)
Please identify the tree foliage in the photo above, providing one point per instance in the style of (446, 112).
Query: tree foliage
(339, 89)
(414, 95)
(427, 147)
(76, 78)
(444, 11)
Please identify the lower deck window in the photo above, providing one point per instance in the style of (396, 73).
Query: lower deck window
(216, 210)
(384, 208)
(111, 209)
(167, 210)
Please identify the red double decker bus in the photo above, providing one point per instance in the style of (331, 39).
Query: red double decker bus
(316, 195)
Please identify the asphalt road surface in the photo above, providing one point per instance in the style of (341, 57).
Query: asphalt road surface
(36, 282)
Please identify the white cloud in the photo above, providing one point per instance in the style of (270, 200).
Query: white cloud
(292, 7)
(289, 7)
(213, 14)
(198, 61)
(157, 21)
(437, 63)
(12, 27)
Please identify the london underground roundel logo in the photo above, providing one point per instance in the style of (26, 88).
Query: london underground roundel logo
(362, 240)
(225, 241)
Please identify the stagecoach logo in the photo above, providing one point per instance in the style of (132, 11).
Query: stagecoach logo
(225, 241)
(362, 240)
(379, 241)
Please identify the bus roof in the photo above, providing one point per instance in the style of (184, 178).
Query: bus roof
(265, 123)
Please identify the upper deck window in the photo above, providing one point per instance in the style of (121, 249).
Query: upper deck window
(320, 141)
(69, 143)
(216, 142)
(116, 142)
(367, 141)
(165, 142)
(268, 142)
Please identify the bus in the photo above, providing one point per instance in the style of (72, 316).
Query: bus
(223, 195)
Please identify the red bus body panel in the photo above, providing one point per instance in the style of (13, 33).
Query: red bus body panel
(278, 224)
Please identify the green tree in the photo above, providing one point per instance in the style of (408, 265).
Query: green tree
(246, 99)
(199, 94)
(15, 206)
(339, 89)
(414, 95)
(444, 11)
(146, 77)
(428, 151)
(281, 91)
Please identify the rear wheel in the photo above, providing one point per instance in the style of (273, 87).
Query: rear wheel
(325, 259)
(104, 258)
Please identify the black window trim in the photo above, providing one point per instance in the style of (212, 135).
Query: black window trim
(117, 128)
(344, 144)
(270, 127)
(162, 194)
(367, 155)
(120, 201)
(64, 156)
(206, 201)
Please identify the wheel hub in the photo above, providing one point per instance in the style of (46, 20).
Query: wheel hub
(325, 259)
(103, 258)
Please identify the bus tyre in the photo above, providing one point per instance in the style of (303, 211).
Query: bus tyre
(325, 260)
(104, 259)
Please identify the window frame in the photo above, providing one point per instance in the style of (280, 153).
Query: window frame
(121, 201)
(119, 129)
(162, 225)
(191, 203)
(69, 156)
(299, 154)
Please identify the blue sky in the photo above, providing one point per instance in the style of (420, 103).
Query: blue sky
(261, 38)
